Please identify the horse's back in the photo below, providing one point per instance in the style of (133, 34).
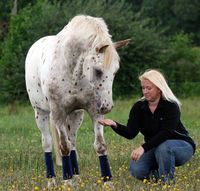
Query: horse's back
(37, 63)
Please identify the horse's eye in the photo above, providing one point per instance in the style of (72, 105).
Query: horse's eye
(98, 73)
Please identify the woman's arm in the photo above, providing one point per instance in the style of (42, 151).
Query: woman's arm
(131, 129)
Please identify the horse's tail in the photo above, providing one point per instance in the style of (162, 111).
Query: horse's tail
(55, 137)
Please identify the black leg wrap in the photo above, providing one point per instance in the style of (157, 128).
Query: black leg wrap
(74, 162)
(66, 167)
(49, 165)
(105, 168)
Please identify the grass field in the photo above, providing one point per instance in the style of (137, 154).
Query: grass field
(21, 155)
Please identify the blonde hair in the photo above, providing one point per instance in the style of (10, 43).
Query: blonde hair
(157, 78)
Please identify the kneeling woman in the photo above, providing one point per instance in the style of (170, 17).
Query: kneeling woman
(157, 116)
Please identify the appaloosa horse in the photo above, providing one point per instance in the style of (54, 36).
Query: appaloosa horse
(65, 73)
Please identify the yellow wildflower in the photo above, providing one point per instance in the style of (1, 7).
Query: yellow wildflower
(145, 181)
(36, 188)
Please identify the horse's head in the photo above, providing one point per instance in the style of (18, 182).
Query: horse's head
(96, 62)
(101, 63)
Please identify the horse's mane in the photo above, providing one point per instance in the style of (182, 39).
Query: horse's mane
(93, 30)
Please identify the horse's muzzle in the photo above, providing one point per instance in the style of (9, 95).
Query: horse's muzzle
(105, 109)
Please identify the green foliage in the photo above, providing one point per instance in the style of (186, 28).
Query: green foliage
(29, 25)
(143, 52)
(5, 7)
(6, 11)
(172, 16)
(183, 65)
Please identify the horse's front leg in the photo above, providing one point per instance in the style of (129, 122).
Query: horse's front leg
(101, 149)
(65, 148)
(74, 121)
(58, 116)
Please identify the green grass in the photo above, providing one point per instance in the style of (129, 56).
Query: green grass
(21, 155)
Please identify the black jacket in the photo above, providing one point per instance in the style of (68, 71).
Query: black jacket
(156, 127)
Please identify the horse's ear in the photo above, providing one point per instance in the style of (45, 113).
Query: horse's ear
(101, 49)
(121, 43)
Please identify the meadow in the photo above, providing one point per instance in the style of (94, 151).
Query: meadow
(21, 155)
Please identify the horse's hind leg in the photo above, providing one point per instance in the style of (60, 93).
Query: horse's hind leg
(42, 120)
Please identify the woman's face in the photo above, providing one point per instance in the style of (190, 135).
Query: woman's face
(150, 91)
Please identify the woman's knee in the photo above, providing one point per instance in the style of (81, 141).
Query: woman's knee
(163, 149)
(137, 171)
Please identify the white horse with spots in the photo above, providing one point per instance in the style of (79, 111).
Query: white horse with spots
(65, 73)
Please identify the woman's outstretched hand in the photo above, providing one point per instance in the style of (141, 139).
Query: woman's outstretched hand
(107, 122)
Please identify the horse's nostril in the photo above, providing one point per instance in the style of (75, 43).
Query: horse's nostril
(103, 108)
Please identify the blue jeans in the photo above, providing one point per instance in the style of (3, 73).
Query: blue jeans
(161, 161)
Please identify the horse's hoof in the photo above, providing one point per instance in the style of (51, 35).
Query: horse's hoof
(77, 179)
(68, 184)
(51, 183)
(108, 186)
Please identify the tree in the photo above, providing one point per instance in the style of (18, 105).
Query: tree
(172, 16)
(25, 27)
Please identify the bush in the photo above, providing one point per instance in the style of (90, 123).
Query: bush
(25, 28)
(144, 52)
(183, 65)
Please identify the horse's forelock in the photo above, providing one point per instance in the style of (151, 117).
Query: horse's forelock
(108, 56)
